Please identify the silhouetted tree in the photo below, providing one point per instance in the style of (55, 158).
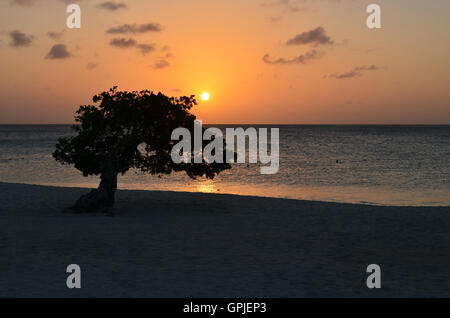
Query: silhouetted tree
(126, 130)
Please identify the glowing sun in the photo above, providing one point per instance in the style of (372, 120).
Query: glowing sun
(205, 96)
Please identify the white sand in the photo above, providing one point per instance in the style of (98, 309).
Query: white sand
(168, 244)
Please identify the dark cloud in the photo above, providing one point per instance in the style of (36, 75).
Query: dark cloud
(123, 43)
(167, 51)
(317, 36)
(356, 72)
(58, 51)
(161, 63)
(135, 28)
(145, 48)
(22, 2)
(131, 43)
(55, 35)
(112, 6)
(19, 39)
(301, 59)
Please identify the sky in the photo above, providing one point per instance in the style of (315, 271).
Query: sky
(262, 61)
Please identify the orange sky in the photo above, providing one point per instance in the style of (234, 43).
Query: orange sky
(398, 74)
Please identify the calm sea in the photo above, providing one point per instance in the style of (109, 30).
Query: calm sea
(391, 165)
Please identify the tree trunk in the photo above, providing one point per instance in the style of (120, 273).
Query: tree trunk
(101, 199)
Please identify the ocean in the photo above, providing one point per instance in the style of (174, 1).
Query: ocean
(369, 164)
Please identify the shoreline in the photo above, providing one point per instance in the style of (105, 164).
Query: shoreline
(181, 244)
(87, 188)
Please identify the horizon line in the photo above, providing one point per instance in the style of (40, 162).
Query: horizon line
(260, 124)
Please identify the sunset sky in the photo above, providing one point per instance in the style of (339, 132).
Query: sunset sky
(262, 61)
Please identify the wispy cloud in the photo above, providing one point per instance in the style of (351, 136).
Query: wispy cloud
(301, 59)
(135, 28)
(22, 2)
(91, 65)
(123, 42)
(287, 5)
(55, 35)
(71, 1)
(275, 19)
(161, 63)
(146, 48)
(355, 72)
(29, 3)
(112, 6)
(317, 36)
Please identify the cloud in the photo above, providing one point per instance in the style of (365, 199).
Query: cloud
(55, 35)
(165, 48)
(145, 48)
(356, 72)
(135, 28)
(288, 5)
(301, 59)
(161, 63)
(296, 5)
(316, 36)
(131, 43)
(22, 2)
(58, 51)
(123, 42)
(31, 2)
(91, 65)
(275, 19)
(20, 39)
(71, 1)
(112, 6)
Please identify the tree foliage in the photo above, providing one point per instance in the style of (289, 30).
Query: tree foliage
(134, 129)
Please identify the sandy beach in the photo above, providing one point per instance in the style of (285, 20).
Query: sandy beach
(173, 244)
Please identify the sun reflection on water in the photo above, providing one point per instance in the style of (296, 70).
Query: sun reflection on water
(207, 187)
